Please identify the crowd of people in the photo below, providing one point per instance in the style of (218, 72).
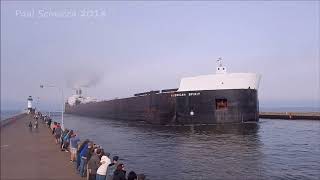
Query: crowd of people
(91, 160)
(35, 123)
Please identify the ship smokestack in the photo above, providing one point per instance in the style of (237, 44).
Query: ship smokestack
(220, 68)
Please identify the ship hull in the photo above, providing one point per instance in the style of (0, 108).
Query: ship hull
(152, 108)
(189, 107)
(216, 107)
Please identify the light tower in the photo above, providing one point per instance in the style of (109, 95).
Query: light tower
(30, 104)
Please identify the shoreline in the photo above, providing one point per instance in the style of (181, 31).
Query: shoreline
(290, 115)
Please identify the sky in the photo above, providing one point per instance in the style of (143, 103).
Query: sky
(122, 48)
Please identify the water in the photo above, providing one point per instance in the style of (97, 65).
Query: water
(5, 114)
(271, 149)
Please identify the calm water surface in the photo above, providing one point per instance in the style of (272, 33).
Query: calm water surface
(9, 113)
(271, 149)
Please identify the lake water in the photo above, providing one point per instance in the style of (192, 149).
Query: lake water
(271, 149)
(9, 113)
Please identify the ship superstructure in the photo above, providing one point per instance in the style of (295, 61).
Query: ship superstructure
(78, 98)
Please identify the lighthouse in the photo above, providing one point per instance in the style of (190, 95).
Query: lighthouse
(30, 104)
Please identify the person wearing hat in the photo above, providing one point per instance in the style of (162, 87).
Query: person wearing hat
(102, 170)
(112, 167)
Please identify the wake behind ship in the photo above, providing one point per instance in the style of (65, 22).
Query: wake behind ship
(208, 99)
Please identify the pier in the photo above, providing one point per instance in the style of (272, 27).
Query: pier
(290, 115)
(32, 155)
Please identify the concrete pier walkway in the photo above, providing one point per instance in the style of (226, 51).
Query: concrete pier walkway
(33, 155)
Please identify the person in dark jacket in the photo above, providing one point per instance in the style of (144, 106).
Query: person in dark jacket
(30, 126)
(112, 167)
(90, 153)
(84, 160)
(66, 141)
(119, 173)
(83, 144)
(64, 133)
(49, 122)
(132, 176)
(93, 164)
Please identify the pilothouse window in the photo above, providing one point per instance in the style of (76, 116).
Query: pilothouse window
(221, 104)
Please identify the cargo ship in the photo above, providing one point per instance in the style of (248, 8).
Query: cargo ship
(207, 99)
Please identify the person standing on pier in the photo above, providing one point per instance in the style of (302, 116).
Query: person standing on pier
(66, 141)
(102, 170)
(36, 124)
(30, 126)
(93, 164)
(63, 134)
(83, 162)
(119, 173)
(112, 167)
(57, 133)
(49, 122)
(54, 127)
(80, 148)
(74, 140)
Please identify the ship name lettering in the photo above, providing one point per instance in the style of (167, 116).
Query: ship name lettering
(194, 94)
(177, 95)
(184, 94)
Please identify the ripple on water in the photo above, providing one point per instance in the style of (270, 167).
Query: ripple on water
(272, 149)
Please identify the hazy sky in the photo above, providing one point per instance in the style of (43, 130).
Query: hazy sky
(129, 47)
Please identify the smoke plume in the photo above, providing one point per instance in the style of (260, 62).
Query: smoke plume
(83, 77)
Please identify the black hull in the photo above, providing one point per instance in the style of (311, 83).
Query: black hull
(240, 106)
(194, 107)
